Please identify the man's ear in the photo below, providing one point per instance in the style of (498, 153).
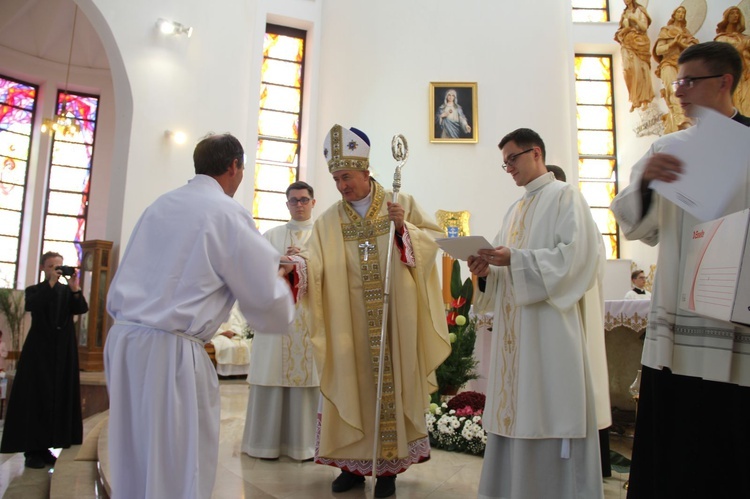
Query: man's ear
(235, 166)
(727, 80)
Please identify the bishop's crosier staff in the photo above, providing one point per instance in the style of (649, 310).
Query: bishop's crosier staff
(400, 150)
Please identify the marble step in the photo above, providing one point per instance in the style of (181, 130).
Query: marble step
(76, 472)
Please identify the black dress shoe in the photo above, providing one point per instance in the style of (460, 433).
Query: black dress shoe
(48, 457)
(346, 481)
(385, 486)
(34, 461)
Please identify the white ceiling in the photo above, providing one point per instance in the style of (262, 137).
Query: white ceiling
(43, 28)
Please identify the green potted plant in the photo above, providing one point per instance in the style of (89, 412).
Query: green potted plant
(460, 366)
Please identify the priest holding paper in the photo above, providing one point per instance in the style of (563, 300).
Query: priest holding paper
(696, 370)
(344, 269)
(540, 280)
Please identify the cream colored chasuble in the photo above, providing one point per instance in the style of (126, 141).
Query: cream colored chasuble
(345, 269)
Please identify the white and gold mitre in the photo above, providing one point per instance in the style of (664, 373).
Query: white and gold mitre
(346, 149)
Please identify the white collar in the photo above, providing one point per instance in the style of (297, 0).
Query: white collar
(363, 204)
(540, 182)
(296, 224)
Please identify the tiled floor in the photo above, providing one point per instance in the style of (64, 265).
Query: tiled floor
(446, 475)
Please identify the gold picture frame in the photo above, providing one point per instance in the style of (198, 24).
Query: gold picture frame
(457, 121)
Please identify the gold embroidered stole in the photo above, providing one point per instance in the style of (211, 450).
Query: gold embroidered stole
(364, 233)
(296, 347)
(507, 364)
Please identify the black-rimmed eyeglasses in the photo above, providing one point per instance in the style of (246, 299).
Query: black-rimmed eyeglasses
(513, 157)
(295, 201)
(689, 81)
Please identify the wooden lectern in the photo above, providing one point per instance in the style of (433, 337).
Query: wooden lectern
(92, 327)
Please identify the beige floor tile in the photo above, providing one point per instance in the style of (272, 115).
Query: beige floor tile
(447, 475)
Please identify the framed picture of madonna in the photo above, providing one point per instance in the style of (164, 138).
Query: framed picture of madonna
(453, 112)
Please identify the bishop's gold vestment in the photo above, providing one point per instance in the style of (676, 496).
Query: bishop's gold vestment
(346, 271)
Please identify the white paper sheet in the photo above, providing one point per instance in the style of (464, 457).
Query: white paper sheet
(713, 265)
(715, 156)
(462, 248)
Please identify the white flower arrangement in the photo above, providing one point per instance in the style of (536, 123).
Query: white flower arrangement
(456, 430)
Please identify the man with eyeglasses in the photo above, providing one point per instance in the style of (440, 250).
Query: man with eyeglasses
(344, 272)
(695, 386)
(283, 400)
(542, 283)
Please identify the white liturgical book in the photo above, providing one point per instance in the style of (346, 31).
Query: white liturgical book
(462, 248)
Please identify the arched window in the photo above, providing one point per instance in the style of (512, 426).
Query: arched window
(590, 11)
(67, 203)
(17, 108)
(279, 124)
(597, 157)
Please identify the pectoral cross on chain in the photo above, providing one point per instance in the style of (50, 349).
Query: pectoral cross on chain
(366, 246)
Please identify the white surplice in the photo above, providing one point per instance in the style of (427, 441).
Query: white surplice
(684, 342)
(540, 400)
(283, 400)
(193, 253)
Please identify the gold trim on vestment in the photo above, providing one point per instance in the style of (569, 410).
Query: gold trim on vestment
(364, 233)
(517, 237)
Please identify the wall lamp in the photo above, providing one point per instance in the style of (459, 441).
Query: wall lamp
(176, 136)
(173, 28)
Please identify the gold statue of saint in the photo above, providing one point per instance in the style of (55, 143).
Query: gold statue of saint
(731, 30)
(673, 39)
(635, 47)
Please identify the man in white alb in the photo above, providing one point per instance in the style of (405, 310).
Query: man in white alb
(540, 413)
(696, 370)
(193, 252)
(283, 404)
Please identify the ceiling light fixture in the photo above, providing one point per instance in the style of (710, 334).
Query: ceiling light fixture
(62, 123)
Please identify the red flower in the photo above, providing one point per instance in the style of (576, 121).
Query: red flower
(467, 411)
(458, 302)
(451, 318)
(475, 400)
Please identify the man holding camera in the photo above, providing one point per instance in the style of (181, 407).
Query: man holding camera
(44, 410)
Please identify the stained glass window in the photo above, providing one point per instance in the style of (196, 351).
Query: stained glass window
(590, 11)
(17, 108)
(277, 155)
(70, 179)
(597, 158)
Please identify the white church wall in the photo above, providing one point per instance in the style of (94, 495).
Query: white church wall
(209, 82)
(370, 65)
(378, 58)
